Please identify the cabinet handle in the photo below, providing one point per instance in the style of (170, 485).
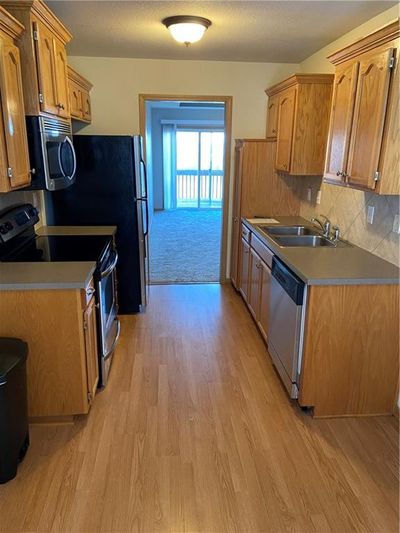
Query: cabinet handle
(90, 291)
(60, 105)
(246, 251)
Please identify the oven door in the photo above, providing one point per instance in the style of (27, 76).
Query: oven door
(109, 326)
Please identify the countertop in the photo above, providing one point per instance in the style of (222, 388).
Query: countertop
(77, 230)
(348, 265)
(57, 275)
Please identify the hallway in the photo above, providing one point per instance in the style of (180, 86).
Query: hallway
(196, 434)
(185, 246)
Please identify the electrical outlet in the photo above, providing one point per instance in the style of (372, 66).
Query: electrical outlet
(370, 214)
(318, 198)
(396, 224)
(309, 194)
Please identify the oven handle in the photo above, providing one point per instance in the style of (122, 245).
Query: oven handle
(111, 267)
(110, 351)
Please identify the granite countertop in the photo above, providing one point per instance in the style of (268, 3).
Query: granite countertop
(347, 265)
(77, 230)
(57, 275)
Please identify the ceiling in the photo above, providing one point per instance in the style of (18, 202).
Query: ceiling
(262, 31)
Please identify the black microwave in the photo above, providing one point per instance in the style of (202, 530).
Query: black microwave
(51, 153)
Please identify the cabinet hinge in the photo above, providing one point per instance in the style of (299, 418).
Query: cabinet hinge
(392, 62)
(89, 397)
(9, 172)
(85, 325)
(41, 98)
(377, 176)
(35, 35)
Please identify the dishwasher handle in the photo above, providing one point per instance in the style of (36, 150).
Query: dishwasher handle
(288, 280)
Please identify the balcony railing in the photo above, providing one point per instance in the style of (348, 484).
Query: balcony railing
(202, 188)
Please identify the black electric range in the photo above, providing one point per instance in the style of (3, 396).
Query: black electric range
(19, 243)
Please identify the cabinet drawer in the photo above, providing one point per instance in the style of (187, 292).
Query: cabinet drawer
(263, 251)
(87, 293)
(246, 233)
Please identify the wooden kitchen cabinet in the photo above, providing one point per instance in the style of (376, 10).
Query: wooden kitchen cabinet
(364, 126)
(258, 191)
(79, 95)
(44, 65)
(244, 262)
(303, 104)
(90, 333)
(253, 300)
(14, 156)
(59, 326)
(272, 117)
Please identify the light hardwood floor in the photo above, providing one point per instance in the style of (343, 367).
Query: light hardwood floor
(195, 433)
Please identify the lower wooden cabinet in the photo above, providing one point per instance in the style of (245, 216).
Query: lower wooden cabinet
(265, 288)
(59, 326)
(14, 156)
(244, 267)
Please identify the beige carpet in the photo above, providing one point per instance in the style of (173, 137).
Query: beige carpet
(185, 246)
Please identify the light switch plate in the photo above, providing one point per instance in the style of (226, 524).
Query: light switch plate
(370, 214)
(396, 224)
(318, 198)
(309, 194)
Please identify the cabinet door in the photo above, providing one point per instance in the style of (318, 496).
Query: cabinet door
(75, 99)
(12, 105)
(235, 269)
(92, 364)
(286, 112)
(86, 106)
(244, 268)
(369, 118)
(61, 79)
(46, 69)
(344, 92)
(272, 116)
(263, 316)
(253, 299)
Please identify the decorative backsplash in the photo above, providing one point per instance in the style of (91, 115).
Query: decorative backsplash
(347, 208)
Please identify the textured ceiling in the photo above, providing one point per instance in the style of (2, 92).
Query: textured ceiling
(266, 31)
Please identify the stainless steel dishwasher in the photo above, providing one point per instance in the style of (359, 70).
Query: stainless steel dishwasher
(285, 323)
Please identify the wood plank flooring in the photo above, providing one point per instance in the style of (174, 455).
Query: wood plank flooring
(196, 434)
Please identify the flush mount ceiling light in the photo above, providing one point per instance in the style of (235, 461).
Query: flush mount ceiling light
(187, 29)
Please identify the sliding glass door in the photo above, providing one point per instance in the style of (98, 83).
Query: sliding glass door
(199, 168)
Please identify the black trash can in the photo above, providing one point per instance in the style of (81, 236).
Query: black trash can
(14, 430)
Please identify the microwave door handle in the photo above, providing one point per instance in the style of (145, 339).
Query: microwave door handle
(67, 140)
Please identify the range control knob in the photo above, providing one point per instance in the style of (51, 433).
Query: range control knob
(8, 226)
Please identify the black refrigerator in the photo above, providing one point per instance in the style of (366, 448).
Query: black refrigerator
(110, 189)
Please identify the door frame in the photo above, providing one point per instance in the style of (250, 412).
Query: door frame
(227, 101)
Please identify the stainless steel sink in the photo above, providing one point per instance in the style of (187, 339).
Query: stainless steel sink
(289, 230)
(311, 241)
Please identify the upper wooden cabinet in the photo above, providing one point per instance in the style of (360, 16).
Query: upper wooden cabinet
(43, 58)
(272, 117)
(14, 157)
(364, 127)
(298, 116)
(79, 97)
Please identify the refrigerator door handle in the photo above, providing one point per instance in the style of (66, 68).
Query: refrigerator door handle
(144, 193)
(146, 203)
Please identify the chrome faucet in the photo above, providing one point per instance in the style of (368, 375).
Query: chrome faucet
(325, 225)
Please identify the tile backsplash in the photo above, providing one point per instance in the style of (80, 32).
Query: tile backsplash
(347, 208)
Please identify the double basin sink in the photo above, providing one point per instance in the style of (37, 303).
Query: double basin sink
(303, 236)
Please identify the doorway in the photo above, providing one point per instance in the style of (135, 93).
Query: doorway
(188, 154)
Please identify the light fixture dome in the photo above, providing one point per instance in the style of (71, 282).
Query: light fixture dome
(187, 29)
